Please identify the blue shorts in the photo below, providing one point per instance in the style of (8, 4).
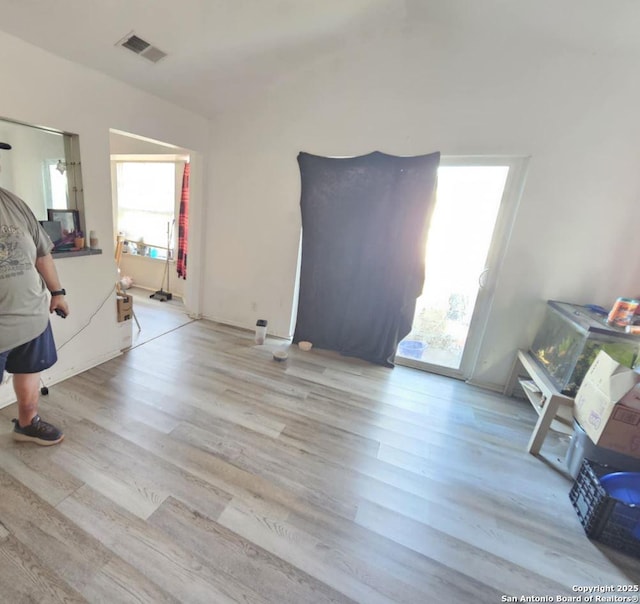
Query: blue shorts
(32, 357)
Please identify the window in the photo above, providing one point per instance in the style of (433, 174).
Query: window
(55, 185)
(146, 205)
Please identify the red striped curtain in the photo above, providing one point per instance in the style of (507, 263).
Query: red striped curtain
(183, 224)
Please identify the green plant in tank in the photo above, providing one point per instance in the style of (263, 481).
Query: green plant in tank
(558, 357)
(622, 352)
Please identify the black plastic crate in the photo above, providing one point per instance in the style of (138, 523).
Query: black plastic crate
(603, 517)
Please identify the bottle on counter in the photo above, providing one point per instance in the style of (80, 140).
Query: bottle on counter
(622, 312)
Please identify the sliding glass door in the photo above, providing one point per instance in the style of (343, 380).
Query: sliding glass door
(474, 211)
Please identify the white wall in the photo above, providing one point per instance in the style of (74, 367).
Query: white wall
(52, 92)
(415, 89)
(410, 89)
(151, 273)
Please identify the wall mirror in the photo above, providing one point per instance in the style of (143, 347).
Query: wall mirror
(42, 167)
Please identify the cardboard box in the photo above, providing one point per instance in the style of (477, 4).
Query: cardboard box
(607, 406)
(124, 302)
(125, 308)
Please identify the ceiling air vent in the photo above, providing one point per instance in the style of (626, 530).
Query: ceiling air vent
(141, 47)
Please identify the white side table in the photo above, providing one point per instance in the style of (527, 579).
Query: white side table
(546, 402)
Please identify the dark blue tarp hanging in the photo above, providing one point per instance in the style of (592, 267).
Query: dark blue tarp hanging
(364, 226)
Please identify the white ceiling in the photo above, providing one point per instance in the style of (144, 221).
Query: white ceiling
(222, 51)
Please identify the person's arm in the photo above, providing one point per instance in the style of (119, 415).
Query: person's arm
(46, 268)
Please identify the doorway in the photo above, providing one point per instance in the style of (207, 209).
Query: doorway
(147, 189)
(475, 207)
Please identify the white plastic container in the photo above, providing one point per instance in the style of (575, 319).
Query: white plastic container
(261, 331)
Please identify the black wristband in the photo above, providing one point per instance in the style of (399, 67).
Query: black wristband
(59, 292)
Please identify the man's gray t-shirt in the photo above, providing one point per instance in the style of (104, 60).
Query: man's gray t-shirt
(24, 306)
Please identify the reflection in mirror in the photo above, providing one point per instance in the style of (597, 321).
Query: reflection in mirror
(42, 167)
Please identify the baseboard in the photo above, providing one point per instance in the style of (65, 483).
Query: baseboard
(499, 388)
(152, 290)
(243, 327)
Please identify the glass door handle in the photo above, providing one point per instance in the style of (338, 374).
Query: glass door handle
(482, 278)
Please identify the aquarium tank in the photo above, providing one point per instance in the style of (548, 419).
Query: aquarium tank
(569, 340)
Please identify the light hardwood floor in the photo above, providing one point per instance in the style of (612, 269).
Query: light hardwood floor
(154, 318)
(197, 469)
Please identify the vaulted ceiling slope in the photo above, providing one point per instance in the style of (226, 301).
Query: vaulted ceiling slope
(220, 52)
